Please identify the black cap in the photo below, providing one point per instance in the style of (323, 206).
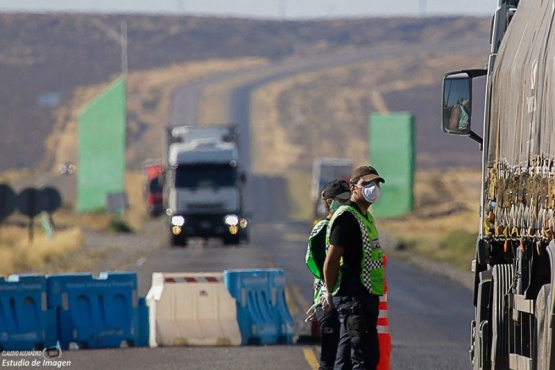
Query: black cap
(336, 189)
(367, 173)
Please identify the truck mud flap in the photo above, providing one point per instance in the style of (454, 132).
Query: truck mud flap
(545, 330)
(502, 276)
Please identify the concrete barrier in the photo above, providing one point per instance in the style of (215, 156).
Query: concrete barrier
(191, 309)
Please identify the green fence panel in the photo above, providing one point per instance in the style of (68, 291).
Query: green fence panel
(101, 158)
(391, 151)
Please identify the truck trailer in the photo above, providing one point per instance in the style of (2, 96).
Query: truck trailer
(203, 185)
(515, 252)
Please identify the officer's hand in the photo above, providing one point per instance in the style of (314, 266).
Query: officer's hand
(311, 314)
(327, 302)
(311, 317)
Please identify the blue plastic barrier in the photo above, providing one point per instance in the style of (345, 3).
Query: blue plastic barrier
(25, 321)
(143, 327)
(95, 312)
(257, 322)
(286, 325)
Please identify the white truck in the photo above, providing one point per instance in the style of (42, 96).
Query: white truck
(514, 264)
(203, 184)
(324, 170)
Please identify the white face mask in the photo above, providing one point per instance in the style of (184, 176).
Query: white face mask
(371, 192)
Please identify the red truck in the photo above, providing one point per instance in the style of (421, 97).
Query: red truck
(153, 187)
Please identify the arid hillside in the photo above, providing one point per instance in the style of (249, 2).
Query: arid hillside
(46, 59)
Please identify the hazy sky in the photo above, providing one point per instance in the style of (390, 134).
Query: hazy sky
(263, 8)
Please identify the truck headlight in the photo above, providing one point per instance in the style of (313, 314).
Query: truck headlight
(243, 223)
(178, 220)
(231, 220)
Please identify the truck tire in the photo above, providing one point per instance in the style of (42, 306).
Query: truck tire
(178, 240)
(544, 332)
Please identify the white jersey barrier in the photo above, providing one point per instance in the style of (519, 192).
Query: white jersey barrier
(191, 309)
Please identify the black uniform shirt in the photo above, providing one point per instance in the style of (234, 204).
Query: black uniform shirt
(346, 233)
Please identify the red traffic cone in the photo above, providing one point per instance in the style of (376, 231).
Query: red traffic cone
(383, 327)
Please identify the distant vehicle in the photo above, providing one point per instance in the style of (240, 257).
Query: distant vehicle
(203, 184)
(323, 171)
(514, 263)
(153, 170)
(67, 168)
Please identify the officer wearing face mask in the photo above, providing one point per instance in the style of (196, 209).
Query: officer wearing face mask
(334, 195)
(353, 273)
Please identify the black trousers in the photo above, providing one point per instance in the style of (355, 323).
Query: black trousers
(357, 351)
(329, 329)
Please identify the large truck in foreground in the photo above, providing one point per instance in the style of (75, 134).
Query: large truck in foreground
(203, 184)
(515, 251)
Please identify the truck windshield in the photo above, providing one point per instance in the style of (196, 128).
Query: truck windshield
(205, 176)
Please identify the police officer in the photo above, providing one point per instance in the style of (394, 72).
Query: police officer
(353, 273)
(334, 195)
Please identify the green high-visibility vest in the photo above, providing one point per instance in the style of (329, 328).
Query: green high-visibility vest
(309, 258)
(311, 261)
(371, 265)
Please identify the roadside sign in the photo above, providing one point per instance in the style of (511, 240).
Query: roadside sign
(29, 202)
(51, 199)
(8, 201)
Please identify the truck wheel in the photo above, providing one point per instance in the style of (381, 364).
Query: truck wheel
(179, 240)
(231, 239)
(544, 331)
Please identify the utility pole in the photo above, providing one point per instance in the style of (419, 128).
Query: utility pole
(123, 43)
(120, 38)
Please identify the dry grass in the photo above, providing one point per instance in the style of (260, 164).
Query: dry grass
(446, 203)
(325, 113)
(17, 253)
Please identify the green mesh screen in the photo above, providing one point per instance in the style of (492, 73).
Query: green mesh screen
(391, 151)
(101, 165)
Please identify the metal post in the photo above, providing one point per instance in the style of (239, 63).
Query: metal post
(123, 43)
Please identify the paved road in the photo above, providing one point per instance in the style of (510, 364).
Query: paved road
(429, 314)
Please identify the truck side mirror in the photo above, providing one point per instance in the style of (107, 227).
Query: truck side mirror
(457, 104)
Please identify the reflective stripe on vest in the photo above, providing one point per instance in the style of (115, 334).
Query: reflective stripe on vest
(372, 273)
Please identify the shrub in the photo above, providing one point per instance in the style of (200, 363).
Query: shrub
(118, 225)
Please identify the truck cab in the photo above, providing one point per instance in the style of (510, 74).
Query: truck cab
(204, 186)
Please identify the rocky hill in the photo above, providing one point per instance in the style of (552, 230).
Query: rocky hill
(45, 57)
